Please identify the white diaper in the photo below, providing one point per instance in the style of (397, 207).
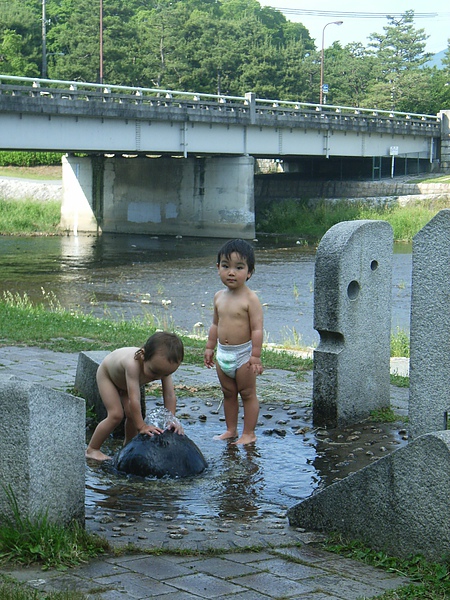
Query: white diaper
(230, 358)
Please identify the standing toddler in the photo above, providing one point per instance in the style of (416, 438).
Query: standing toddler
(237, 331)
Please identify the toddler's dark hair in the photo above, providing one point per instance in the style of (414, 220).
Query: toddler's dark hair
(241, 247)
(163, 341)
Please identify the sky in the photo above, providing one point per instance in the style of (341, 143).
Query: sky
(364, 18)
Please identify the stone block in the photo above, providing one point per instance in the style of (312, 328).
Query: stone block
(42, 442)
(352, 314)
(429, 402)
(86, 383)
(399, 504)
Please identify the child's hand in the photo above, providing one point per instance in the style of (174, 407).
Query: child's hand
(209, 358)
(176, 428)
(255, 364)
(150, 430)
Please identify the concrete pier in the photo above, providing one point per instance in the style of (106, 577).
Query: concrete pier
(205, 197)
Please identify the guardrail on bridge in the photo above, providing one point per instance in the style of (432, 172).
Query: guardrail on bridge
(48, 96)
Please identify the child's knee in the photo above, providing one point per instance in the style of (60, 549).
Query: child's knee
(115, 417)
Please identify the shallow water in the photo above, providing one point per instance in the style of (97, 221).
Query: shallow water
(122, 276)
(289, 461)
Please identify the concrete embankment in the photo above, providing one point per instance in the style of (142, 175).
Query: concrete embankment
(270, 189)
(25, 189)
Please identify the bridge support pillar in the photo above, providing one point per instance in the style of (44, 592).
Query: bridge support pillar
(205, 197)
(445, 140)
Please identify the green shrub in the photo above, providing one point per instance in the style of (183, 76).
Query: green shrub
(29, 159)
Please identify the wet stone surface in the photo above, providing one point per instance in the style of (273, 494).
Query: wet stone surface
(242, 498)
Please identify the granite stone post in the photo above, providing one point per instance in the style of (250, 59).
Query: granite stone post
(429, 401)
(352, 314)
(42, 443)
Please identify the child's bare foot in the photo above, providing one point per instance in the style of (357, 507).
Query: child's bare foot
(246, 438)
(227, 435)
(96, 455)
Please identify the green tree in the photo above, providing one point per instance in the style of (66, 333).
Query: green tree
(349, 74)
(399, 51)
(20, 38)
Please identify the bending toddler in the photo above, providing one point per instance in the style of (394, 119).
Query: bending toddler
(120, 377)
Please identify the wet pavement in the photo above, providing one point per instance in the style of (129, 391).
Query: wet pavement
(214, 557)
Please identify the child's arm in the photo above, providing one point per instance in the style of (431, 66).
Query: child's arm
(212, 339)
(133, 406)
(255, 313)
(170, 400)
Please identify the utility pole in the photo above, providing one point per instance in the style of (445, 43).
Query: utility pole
(44, 42)
(101, 41)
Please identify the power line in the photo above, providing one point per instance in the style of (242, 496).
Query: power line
(354, 14)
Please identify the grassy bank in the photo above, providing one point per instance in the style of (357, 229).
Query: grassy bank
(292, 217)
(48, 325)
(297, 218)
(37, 173)
(28, 217)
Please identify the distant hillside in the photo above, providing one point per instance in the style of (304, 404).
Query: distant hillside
(436, 61)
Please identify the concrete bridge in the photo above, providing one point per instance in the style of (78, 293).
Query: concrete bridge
(168, 162)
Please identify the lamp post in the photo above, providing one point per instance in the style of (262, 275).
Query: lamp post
(321, 56)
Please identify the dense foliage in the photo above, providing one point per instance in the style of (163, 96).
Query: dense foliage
(29, 159)
(218, 46)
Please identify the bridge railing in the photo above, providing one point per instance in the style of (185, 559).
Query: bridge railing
(259, 111)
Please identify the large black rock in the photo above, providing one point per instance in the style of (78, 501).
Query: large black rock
(167, 454)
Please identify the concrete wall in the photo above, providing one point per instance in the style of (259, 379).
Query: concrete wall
(282, 187)
(209, 197)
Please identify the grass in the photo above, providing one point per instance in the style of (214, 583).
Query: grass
(384, 415)
(38, 173)
(437, 179)
(26, 217)
(12, 590)
(48, 325)
(298, 218)
(28, 541)
(400, 343)
(431, 581)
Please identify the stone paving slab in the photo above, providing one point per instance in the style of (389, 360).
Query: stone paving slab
(290, 565)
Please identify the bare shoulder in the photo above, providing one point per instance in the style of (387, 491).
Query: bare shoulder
(218, 295)
(252, 296)
(121, 357)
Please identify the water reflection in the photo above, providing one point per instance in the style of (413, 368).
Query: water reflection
(241, 482)
(174, 280)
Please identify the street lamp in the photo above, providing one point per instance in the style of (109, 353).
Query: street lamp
(321, 56)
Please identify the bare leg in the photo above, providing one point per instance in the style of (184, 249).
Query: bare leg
(113, 405)
(230, 405)
(246, 384)
(130, 428)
